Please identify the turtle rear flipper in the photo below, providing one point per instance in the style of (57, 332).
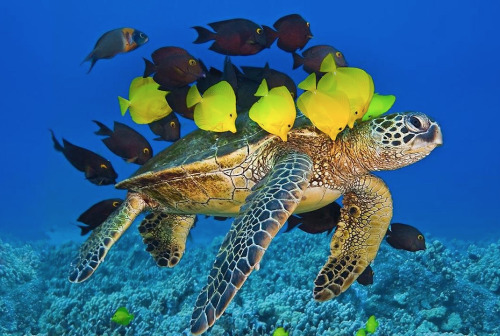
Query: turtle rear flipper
(165, 236)
(95, 248)
(266, 209)
(364, 220)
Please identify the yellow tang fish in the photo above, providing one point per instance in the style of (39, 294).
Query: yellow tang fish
(216, 110)
(379, 105)
(275, 111)
(327, 108)
(146, 103)
(122, 316)
(356, 83)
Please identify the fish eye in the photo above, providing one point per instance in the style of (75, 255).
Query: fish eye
(259, 31)
(289, 126)
(420, 237)
(141, 35)
(115, 204)
(338, 54)
(340, 128)
(172, 124)
(145, 150)
(192, 62)
(103, 166)
(417, 123)
(230, 115)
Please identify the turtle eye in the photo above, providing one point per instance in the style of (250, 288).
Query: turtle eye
(259, 31)
(420, 237)
(172, 124)
(192, 62)
(338, 54)
(417, 123)
(103, 166)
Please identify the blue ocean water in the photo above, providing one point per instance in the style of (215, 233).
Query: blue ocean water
(440, 58)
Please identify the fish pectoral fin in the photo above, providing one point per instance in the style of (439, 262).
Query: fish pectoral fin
(364, 219)
(95, 248)
(265, 211)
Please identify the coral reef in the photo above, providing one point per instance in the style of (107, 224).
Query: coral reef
(452, 288)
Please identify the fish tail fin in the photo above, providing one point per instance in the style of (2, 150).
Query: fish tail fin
(57, 145)
(85, 229)
(92, 63)
(297, 60)
(124, 104)
(103, 129)
(150, 68)
(308, 84)
(88, 58)
(262, 90)
(204, 35)
(293, 221)
(193, 97)
(270, 34)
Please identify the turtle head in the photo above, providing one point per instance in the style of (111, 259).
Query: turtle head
(400, 139)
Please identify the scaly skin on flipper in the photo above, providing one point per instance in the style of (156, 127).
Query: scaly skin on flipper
(165, 236)
(365, 217)
(267, 208)
(95, 248)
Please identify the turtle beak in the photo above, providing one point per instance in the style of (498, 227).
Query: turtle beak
(431, 138)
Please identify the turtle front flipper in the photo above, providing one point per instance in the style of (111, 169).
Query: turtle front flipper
(165, 236)
(95, 248)
(266, 209)
(364, 220)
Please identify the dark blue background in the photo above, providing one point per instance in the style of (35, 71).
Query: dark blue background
(439, 57)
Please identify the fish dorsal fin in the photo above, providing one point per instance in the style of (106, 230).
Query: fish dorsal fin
(223, 88)
(138, 82)
(308, 84)
(193, 96)
(263, 90)
(281, 91)
(122, 310)
(327, 83)
(328, 64)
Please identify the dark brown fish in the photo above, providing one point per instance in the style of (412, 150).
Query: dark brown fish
(274, 78)
(292, 32)
(126, 142)
(114, 42)
(366, 278)
(97, 214)
(321, 220)
(168, 128)
(97, 169)
(311, 58)
(214, 76)
(405, 237)
(176, 99)
(235, 37)
(173, 67)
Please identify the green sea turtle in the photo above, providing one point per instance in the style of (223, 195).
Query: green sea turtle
(261, 180)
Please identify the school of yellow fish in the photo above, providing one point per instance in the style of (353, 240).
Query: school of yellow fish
(342, 96)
